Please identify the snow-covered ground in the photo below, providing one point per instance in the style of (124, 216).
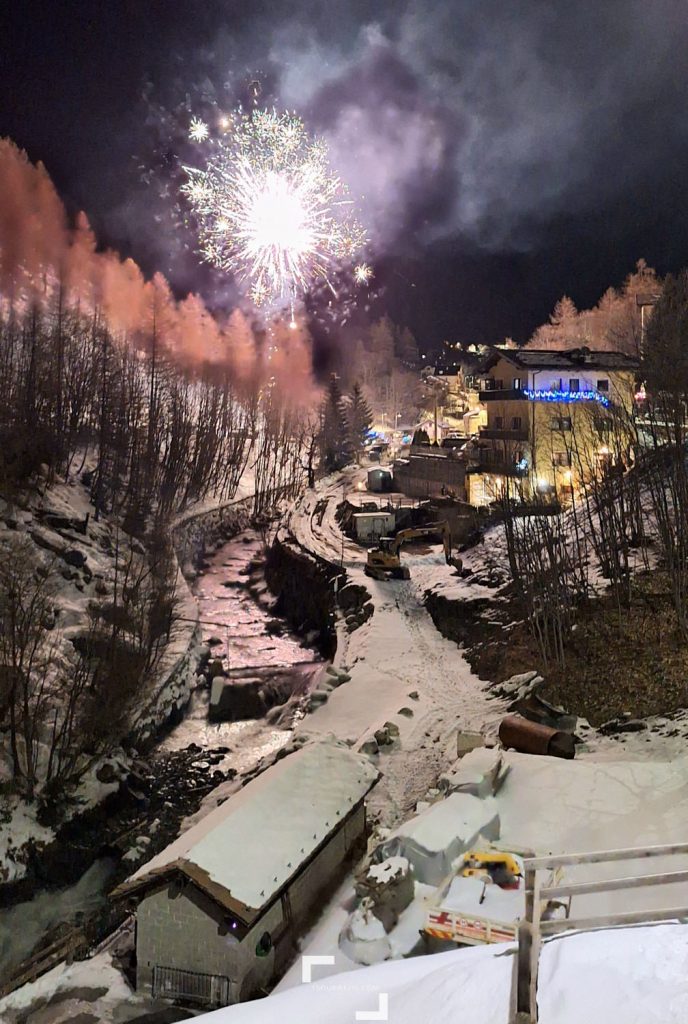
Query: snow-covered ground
(615, 794)
(397, 660)
(628, 975)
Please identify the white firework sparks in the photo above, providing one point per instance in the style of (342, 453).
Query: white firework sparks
(270, 210)
(198, 130)
(363, 273)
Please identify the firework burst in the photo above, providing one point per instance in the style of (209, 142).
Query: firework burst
(198, 130)
(270, 210)
(363, 273)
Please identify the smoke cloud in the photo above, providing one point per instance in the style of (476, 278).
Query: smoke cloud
(485, 120)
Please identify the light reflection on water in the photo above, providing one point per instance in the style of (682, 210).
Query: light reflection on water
(240, 623)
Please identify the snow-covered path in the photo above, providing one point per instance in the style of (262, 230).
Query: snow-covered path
(397, 660)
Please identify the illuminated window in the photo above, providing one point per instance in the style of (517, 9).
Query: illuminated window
(516, 383)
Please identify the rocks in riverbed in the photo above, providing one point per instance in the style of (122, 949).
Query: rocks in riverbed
(74, 557)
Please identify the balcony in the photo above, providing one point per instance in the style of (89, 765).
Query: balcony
(489, 434)
(502, 395)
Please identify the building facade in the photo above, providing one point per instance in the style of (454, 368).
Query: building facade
(551, 416)
(219, 912)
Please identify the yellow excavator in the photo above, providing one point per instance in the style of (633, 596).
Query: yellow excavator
(384, 563)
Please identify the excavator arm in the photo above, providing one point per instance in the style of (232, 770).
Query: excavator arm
(384, 560)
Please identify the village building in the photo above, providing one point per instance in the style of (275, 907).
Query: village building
(220, 910)
(550, 418)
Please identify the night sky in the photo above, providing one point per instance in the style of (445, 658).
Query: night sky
(508, 152)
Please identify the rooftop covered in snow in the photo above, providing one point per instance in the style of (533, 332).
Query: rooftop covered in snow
(243, 853)
(564, 359)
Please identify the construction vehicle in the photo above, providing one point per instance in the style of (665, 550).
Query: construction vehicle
(384, 563)
(484, 898)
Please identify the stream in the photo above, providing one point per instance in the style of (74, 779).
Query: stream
(243, 632)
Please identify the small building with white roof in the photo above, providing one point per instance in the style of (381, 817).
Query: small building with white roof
(219, 911)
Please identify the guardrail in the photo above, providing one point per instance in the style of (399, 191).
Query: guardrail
(532, 929)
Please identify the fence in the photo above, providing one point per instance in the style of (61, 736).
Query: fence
(532, 929)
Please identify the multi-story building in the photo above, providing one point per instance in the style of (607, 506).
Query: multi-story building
(550, 417)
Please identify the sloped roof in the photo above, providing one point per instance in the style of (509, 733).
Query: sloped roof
(564, 359)
(246, 850)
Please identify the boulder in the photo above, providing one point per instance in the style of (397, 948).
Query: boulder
(216, 668)
(107, 773)
(75, 557)
(389, 887)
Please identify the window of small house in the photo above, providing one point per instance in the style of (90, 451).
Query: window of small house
(498, 385)
(516, 383)
(574, 384)
(561, 459)
(603, 384)
(498, 422)
(515, 422)
(264, 944)
(604, 426)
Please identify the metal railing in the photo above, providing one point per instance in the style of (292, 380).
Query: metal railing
(532, 929)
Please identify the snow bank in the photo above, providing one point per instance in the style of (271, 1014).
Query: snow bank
(434, 838)
(471, 985)
(628, 975)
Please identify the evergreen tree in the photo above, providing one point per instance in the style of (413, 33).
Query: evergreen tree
(406, 348)
(359, 419)
(334, 451)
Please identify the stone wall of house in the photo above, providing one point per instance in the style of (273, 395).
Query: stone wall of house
(173, 930)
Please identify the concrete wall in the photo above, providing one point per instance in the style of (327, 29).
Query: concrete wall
(178, 931)
(430, 476)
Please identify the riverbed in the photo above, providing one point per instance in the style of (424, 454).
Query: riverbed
(243, 633)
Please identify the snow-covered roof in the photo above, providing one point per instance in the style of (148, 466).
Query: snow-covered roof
(565, 359)
(246, 850)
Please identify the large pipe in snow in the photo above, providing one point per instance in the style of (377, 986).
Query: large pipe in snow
(532, 738)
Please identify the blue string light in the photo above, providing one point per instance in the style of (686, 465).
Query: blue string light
(566, 396)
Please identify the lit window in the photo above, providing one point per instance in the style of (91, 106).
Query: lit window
(516, 383)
